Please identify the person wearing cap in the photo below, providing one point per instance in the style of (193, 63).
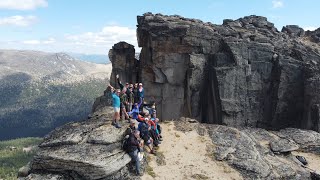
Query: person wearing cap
(116, 106)
(134, 145)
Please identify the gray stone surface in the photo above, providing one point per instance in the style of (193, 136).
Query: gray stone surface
(283, 145)
(89, 149)
(45, 177)
(258, 153)
(242, 73)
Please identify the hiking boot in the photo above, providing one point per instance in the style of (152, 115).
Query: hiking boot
(117, 125)
(152, 151)
(113, 123)
(139, 174)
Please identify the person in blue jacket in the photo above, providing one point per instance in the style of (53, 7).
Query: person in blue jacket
(135, 110)
(116, 106)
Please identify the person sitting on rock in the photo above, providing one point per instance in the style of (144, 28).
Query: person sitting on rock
(133, 149)
(140, 118)
(152, 130)
(158, 127)
(116, 106)
(132, 125)
(131, 129)
(151, 109)
(144, 128)
(135, 111)
(123, 103)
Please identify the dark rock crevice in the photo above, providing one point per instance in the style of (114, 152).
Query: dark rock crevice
(210, 103)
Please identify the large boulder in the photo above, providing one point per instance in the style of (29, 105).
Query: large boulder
(89, 149)
(241, 73)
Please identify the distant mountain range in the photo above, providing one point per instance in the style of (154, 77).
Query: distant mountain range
(94, 58)
(40, 91)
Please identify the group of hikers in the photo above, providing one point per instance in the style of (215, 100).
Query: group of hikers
(144, 128)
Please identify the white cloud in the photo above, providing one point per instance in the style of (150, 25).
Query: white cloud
(32, 42)
(99, 42)
(310, 28)
(49, 41)
(22, 4)
(18, 20)
(277, 4)
(103, 40)
(38, 42)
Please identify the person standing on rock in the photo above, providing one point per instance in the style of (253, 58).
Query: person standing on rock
(133, 149)
(116, 106)
(121, 85)
(141, 95)
(135, 93)
(130, 98)
(123, 104)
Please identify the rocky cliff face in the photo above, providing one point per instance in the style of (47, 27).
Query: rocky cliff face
(241, 73)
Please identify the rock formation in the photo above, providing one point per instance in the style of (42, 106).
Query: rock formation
(257, 153)
(241, 73)
(124, 63)
(84, 150)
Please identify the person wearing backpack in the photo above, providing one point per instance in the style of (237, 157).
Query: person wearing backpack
(144, 128)
(133, 148)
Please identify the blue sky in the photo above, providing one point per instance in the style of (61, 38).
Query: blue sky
(93, 26)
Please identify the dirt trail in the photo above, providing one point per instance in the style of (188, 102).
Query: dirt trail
(186, 157)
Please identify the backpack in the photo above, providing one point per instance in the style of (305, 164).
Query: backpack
(144, 129)
(125, 143)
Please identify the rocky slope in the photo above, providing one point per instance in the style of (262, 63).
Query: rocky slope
(40, 91)
(241, 73)
(91, 150)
